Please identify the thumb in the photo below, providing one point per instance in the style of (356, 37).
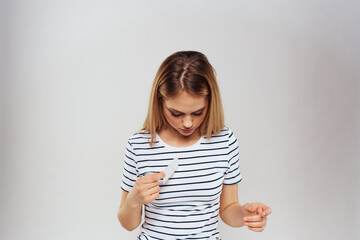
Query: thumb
(250, 207)
(155, 176)
(160, 175)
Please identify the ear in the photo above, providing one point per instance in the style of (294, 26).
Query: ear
(161, 97)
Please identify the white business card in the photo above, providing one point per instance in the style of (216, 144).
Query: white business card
(170, 169)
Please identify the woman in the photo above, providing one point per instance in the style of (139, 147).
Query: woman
(185, 122)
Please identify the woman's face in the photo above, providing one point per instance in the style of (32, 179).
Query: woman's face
(185, 112)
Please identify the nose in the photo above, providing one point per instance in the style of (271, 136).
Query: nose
(187, 122)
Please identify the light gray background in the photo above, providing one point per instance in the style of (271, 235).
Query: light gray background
(75, 83)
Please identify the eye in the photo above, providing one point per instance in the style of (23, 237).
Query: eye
(175, 114)
(198, 114)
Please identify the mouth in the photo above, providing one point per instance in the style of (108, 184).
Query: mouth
(186, 130)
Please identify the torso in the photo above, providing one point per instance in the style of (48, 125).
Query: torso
(188, 204)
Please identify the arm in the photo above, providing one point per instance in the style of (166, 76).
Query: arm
(233, 214)
(230, 209)
(129, 213)
(145, 190)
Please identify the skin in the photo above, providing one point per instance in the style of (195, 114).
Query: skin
(184, 114)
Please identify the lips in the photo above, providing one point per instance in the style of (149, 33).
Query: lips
(186, 130)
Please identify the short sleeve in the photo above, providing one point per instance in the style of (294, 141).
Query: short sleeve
(233, 175)
(130, 171)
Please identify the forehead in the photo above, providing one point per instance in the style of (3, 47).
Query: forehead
(186, 102)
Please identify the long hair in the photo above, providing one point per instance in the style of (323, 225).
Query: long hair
(188, 71)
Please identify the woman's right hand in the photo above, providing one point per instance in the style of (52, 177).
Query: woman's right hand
(146, 189)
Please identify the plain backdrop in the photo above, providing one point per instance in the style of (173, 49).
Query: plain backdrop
(75, 83)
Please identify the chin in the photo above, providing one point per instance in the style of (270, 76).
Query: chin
(186, 134)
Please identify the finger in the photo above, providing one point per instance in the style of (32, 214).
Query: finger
(150, 194)
(153, 177)
(152, 191)
(150, 185)
(144, 187)
(255, 224)
(151, 198)
(255, 218)
(256, 229)
(143, 184)
(262, 209)
(250, 207)
(267, 211)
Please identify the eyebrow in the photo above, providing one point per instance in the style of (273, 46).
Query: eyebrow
(173, 110)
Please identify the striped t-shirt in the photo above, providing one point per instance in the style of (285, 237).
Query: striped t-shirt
(188, 205)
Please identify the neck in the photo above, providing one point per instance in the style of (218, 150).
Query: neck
(176, 139)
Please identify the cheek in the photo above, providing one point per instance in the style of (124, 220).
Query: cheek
(201, 120)
(171, 119)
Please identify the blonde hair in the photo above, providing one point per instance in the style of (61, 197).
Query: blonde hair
(188, 71)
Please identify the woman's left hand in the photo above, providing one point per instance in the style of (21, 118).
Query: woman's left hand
(255, 216)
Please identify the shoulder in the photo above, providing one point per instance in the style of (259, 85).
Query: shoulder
(142, 137)
(225, 133)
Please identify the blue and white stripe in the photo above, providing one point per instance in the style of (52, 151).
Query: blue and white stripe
(188, 205)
